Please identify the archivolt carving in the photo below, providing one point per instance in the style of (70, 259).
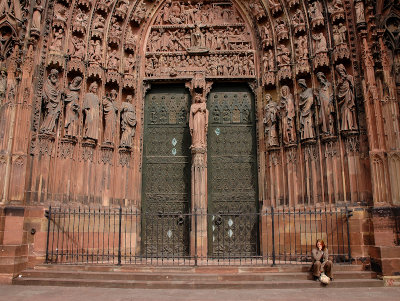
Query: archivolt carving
(336, 10)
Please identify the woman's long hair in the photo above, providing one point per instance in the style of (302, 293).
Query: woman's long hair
(322, 243)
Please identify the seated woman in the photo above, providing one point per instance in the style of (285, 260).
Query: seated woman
(321, 262)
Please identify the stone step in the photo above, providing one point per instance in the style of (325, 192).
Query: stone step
(191, 269)
(168, 276)
(203, 284)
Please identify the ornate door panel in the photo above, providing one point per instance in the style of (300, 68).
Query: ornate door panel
(232, 173)
(166, 173)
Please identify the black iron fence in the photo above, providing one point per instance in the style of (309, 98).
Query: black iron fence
(128, 236)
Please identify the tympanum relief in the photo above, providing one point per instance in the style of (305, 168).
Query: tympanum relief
(210, 37)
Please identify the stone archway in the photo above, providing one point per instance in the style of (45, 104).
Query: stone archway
(199, 44)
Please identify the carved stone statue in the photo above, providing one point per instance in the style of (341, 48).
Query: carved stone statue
(155, 39)
(122, 7)
(77, 48)
(306, 114)
(95, 51)
(336, 35)
(270, 122)
(288, 116)
(113, 60)
(268, 61)
(129, 65)
(163, 17)
(320, 43)
(283, 57)
(302, 48)
(60, 12)
(51, 102)
(341, 49)
(281, 29)
(197, 41)
(321, 50)
(37, 15)
(115, 30)
(315, 11)
(257, 9)
(298, 18)
(71, 101)
(266, 35)
(175, 16)
(326, 107)
(128, 123)
(346, 101)
(80, 21)
(360, 14)
(98, 24)
(3, 85)
(198, 122)
(91, 109)
(337, 5)
(110, 116)
(342, 31)
(271, 60)
(130, 37)
(58, 36)
(140, 12)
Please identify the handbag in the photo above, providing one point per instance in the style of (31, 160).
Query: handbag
(324, 279)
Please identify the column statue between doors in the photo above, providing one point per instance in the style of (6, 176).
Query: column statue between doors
(198, 124)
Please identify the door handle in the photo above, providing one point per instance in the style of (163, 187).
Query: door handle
(180, 220)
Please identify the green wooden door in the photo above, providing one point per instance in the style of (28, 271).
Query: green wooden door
(232, 173)
(166, 173)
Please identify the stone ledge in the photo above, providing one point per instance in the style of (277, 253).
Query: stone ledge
(13, 250)
(384, 252)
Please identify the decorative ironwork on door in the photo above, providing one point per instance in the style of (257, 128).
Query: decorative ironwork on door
(166, 173)
(232, 173)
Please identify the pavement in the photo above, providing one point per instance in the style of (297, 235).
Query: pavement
(44, 293)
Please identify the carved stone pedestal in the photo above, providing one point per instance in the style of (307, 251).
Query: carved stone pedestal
(198, 235)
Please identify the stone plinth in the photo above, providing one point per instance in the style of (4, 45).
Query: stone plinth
(385, 255)
(385, 260)
(13, 247)
(22, 239)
